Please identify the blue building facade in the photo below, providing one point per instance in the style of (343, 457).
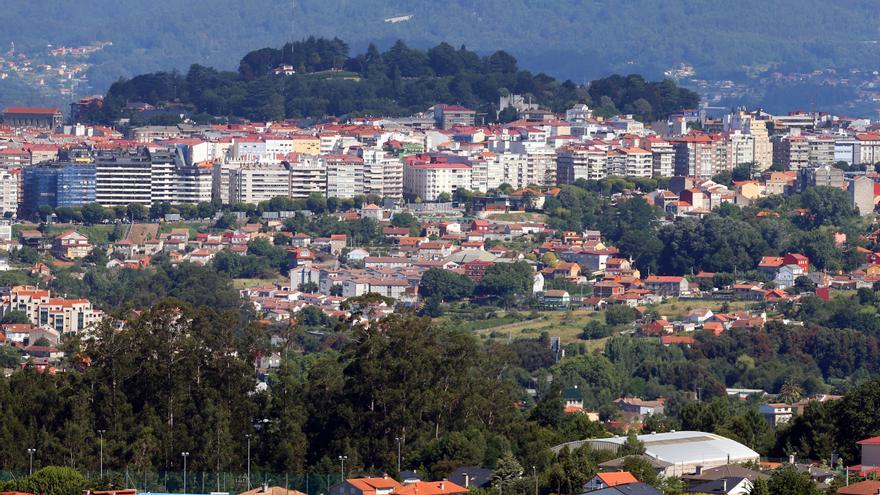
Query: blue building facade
(57, 185)
(76, 185)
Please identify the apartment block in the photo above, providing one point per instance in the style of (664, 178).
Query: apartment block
(256, 182)
(428, 179)
(580, 162)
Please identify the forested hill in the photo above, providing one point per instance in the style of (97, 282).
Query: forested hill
(578, 39)
(398, 81)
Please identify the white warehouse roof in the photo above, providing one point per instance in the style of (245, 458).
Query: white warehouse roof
(679, 447)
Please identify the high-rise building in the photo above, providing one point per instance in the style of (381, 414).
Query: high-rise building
(256, 182)
(307, 175)
(8, 193)
(695, 156)
(58, 184)
(580, 162)
(123, 177)
(791, 152)
(662, 156)
(429, 177)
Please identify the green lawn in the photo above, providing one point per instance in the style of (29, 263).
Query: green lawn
(566, 325)
(518, 217)
(165, 227)
(674, 309)
(97, 234)
(244, 283)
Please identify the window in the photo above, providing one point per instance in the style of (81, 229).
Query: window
(44, 316)
(59, 323)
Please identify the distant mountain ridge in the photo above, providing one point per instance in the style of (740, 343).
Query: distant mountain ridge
(577, 39)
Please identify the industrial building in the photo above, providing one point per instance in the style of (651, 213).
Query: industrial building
(685, 452)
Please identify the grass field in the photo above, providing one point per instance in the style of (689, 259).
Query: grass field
(244, 283)
(566, 325)
(193, 227)
(97, 234)
(518, 217)
(673, 309)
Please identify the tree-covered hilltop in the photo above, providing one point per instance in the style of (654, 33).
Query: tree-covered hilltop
(398, 81)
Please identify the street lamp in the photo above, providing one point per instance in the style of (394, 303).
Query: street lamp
(535, 474)
(101, 433)
(399, 440)
(342, 459)
(184, 454)
(31, 453)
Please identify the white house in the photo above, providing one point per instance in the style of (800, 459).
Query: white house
(786, 275)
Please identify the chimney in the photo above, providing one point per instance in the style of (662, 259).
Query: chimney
(724, 484)
(791, 459)
(443, 485)
(467, 480)
(699, 470)
(265, 488)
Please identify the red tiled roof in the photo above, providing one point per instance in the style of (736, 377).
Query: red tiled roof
(617, 478)
(34, 110)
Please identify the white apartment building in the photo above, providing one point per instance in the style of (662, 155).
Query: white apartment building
(637, 162)
(163, 180)
(8, 192)
(867, 148)
(821, 150)
(193, 184)
(742, 148)
(247, 149)
(255, 182)
(429, 180)
(662, 156)
(383, 173)
(345, 175)
(754, 124)
(307, 175)
(580, 162)
(43, 310)
(123, 179)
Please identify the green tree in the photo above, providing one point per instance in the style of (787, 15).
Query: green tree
(760, 487)
(506, 280)
(641, 468)
(619, 314)
(788, 481)
(445, 285)
(632, 447)
(15, 317)
(53, 481)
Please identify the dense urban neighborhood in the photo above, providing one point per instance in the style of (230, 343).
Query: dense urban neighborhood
(560, 294)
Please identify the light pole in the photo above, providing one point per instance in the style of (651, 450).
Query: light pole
(535, 475)
(185, 455)
(399, 440)
(249, 460)
(31, 453)
(342, 459)
(101, 433)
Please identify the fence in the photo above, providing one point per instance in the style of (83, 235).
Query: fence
(203, 481)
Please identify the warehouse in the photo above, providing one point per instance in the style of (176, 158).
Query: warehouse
(686, 452)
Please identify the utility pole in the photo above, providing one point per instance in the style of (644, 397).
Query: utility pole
(101, 433)
(248, 460)
(185, 455)
(31, 453)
